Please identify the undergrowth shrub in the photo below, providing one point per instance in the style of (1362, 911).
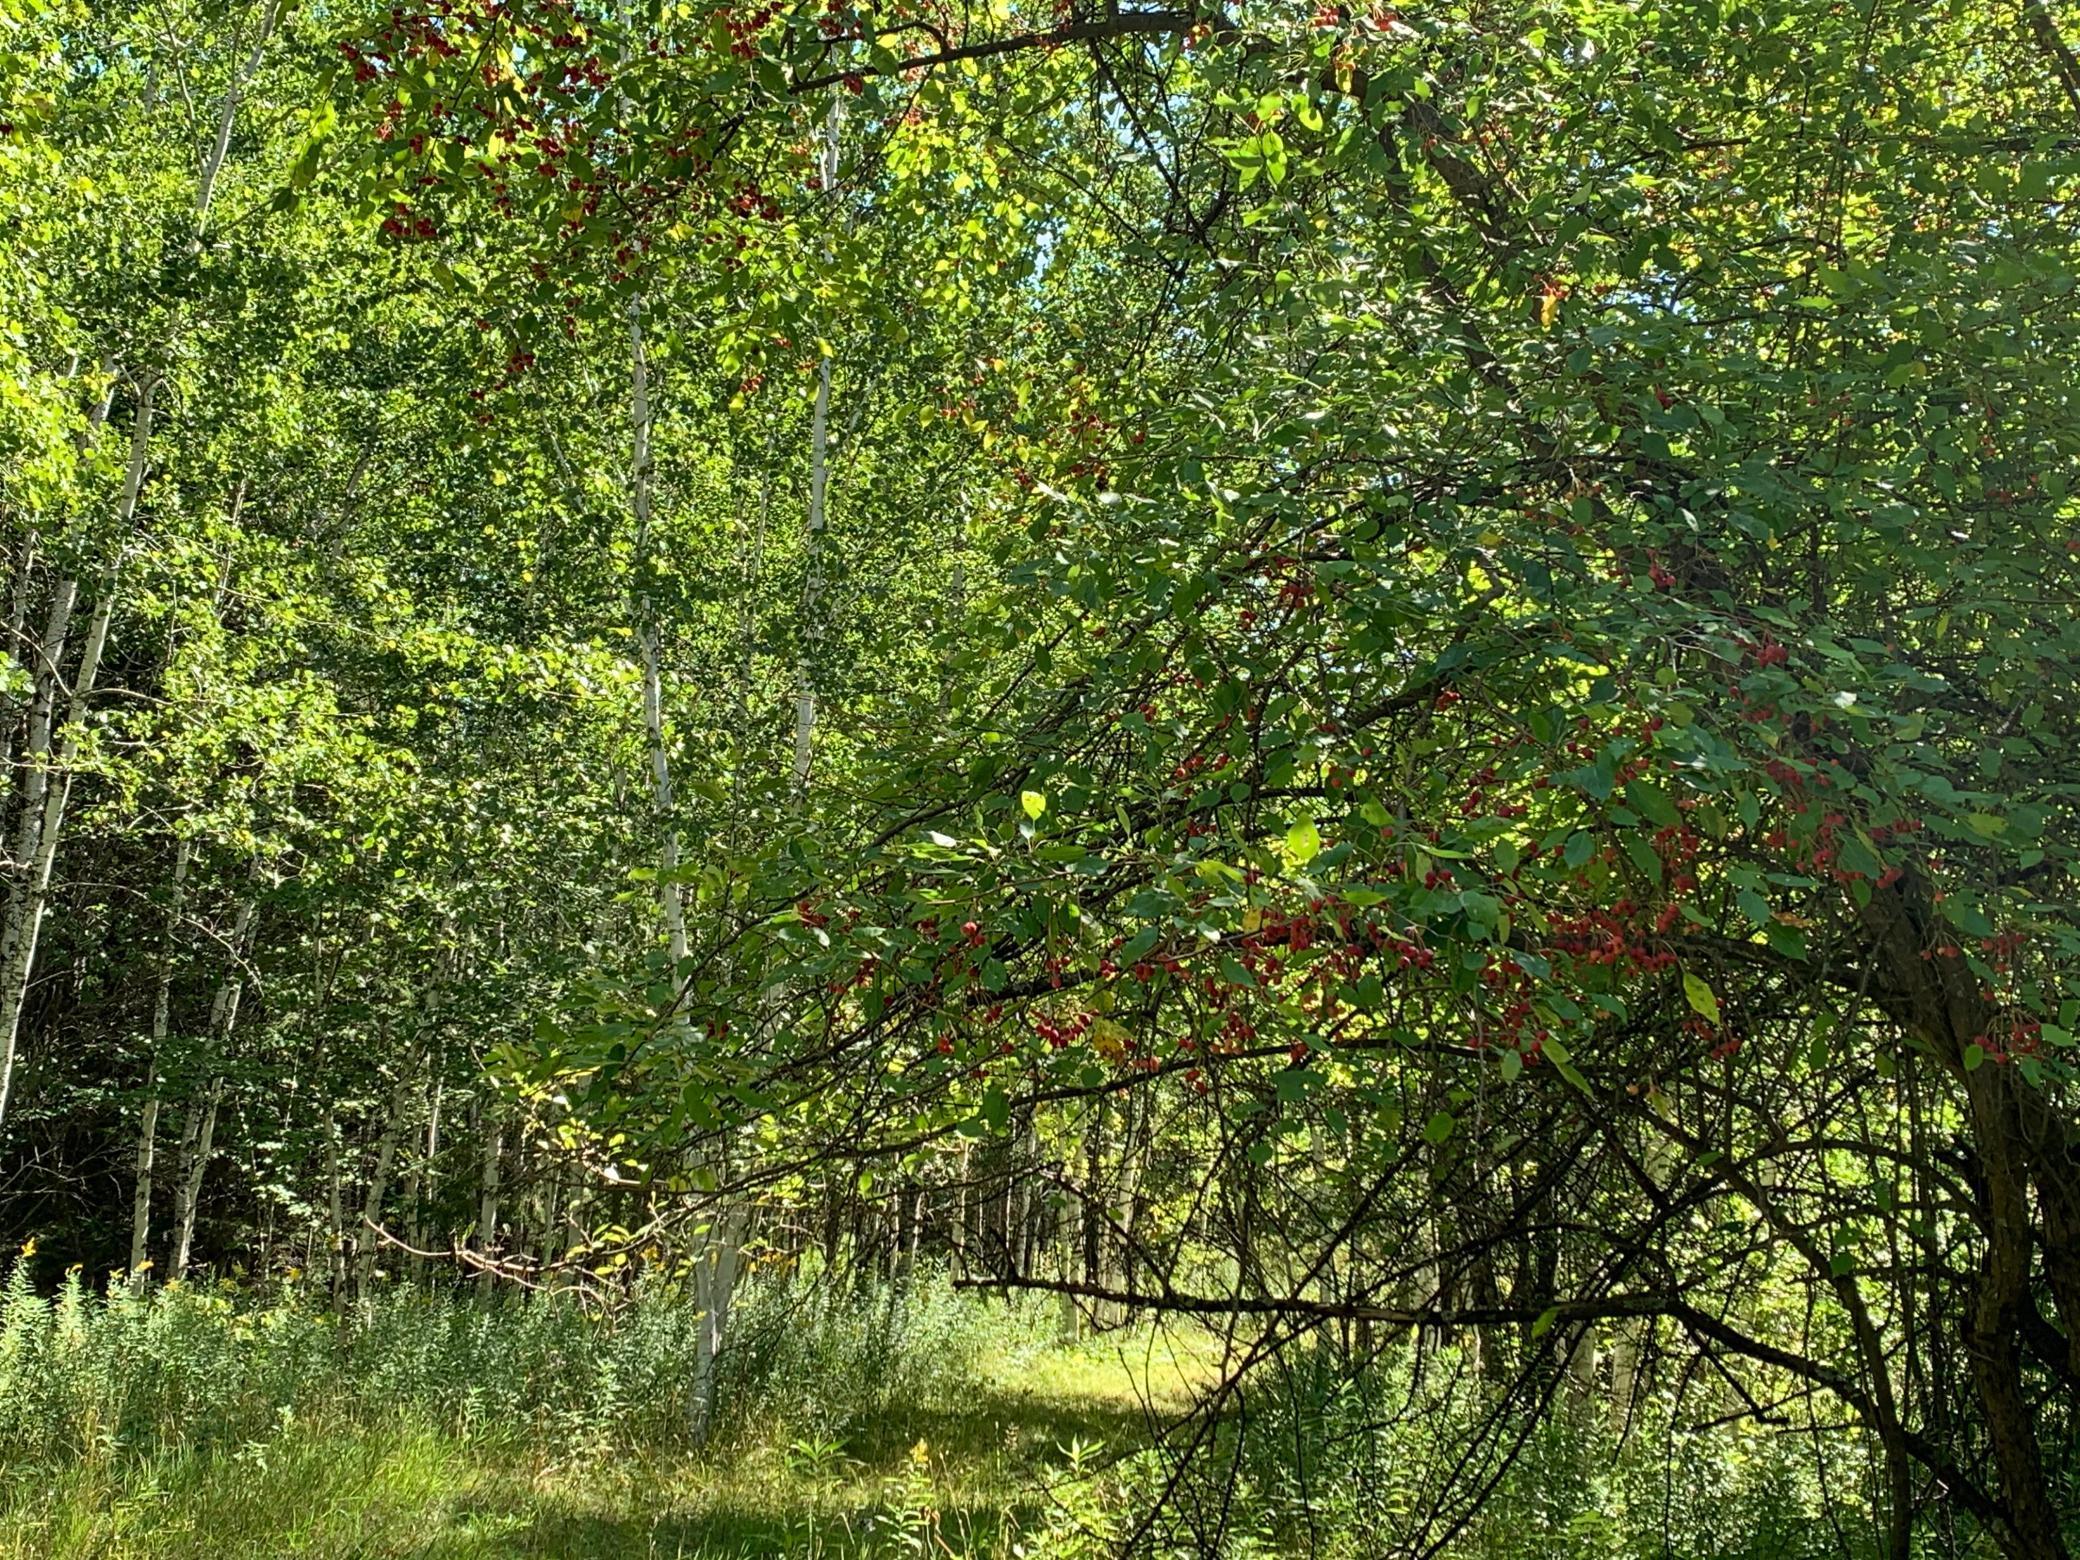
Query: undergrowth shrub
(822, 1359)
(84, 1375)
(1317, 1460)
(1404, 1458)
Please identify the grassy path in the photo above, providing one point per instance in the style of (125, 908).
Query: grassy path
(969, 1476)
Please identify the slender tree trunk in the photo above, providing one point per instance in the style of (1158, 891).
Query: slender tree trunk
(671, 895)
(366, 1238)
(17, 644)
(1133, 1156)
(148, 1120)
(196, 1142)
(715, 1284)
(421, 1173)
(957, 1253)
(715, 1267)
(38, 843)
(819, 488)
(335, 1212)
(45, 794)
(487, 1192)
(197, 1135)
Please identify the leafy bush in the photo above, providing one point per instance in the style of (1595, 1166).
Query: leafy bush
(1385, 1460)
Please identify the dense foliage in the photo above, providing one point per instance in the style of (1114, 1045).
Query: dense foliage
(1373, 676)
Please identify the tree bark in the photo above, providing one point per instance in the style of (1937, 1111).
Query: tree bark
(45, 793)
(366, 1239)
(148, 1119)
(811, 616)
(200, 1130)
(487, 1193)
(43, 815)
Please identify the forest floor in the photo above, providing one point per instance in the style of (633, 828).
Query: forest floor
(971, 1479)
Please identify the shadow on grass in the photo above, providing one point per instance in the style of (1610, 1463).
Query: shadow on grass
(360, 1490)
(990, 1459)
(1025, 1421)
(728, 1532)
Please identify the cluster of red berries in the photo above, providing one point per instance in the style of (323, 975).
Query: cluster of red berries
(1061, 1033)
(1608, 937)
(743, 29)
(403, 223)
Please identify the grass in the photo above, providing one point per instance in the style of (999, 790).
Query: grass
(856, 1422)
(988, 1470)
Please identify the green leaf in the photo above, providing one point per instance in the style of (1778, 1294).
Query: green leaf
(1512, 1064)
(1557, 1054)
(1439, 1127)
(1652, 803)
(1787, 940)
(1701, 997)
(1643, 857)
(1034, 803)
(1303, 841)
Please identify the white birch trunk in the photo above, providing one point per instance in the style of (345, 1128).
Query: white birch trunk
(43, 658)
(33, 895)
(367, 1240)
(148, 1120)
(819, 488)
(671, 896)
(197, 1137)
(421, 1171)
(715, 1266)
(43, 815)
(199, 1132)
(227, 118)
(17, 621)
(714, 1288)
(487, 1192)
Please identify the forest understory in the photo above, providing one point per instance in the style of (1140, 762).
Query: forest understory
(1045, 778)
(862, 1422)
